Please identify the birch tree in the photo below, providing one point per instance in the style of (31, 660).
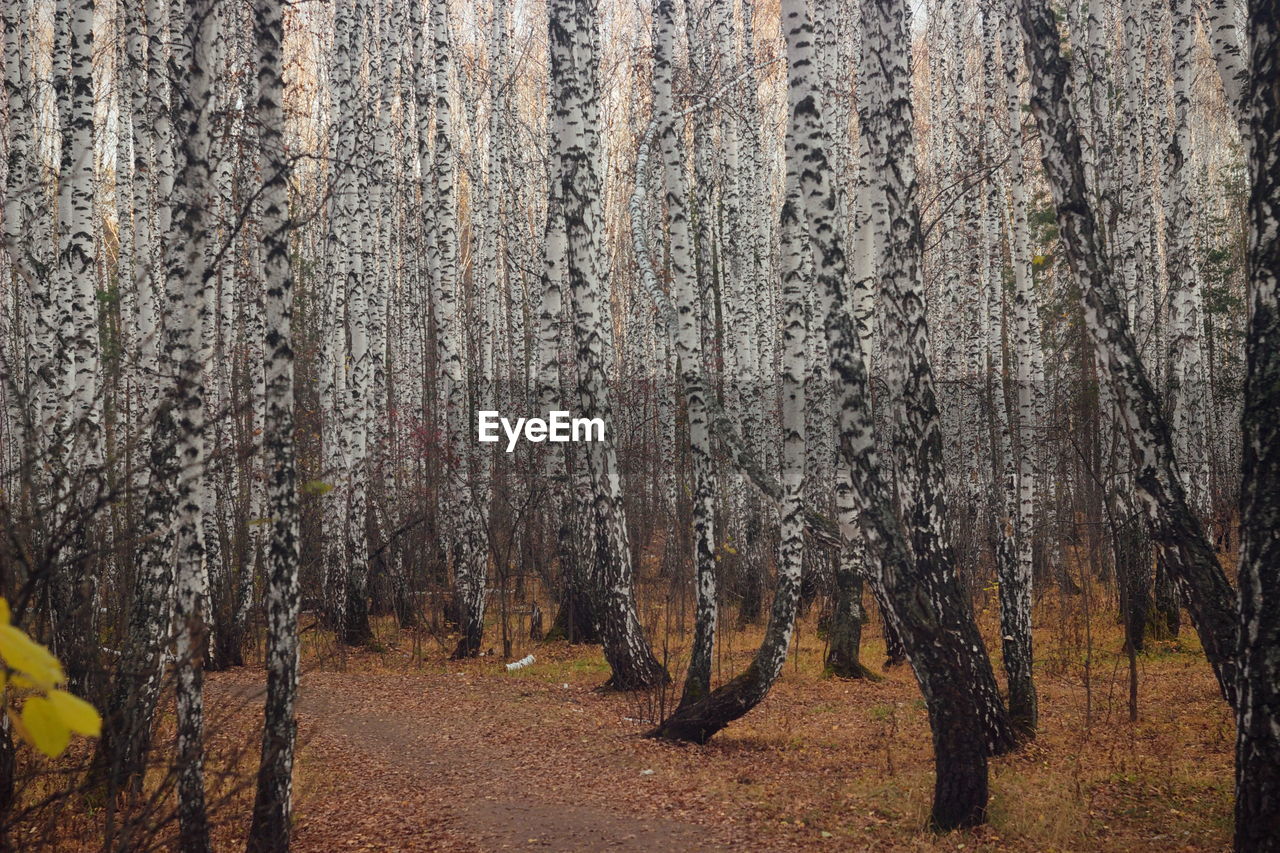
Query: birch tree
(272, 809)
(1257, 815)
(689, 353)
(470, 557)
(575, 96)
(187, 299)
(917, 437)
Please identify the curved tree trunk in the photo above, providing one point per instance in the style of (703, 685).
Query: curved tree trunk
(900, 580)
(917, 438)
(960, 793)
(688, 345)
(576, 113)
(699, 719)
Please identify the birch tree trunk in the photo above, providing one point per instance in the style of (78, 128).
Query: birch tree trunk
(1230, 58)
(573, 38)
(458, 505)
(76, 458)
(698, 720)
(272, 811)
(689, 351)
(1258, 669)
(120, 761)
(899, 579)
(960, 792)
(905, 363)
(189, 284)
(342, 249)
(1187, 379)
(360, 405)
(1015, 589)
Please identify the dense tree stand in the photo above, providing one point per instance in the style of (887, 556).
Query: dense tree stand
(961, 310)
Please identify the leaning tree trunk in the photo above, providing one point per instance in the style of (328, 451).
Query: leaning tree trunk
(917, 436)
(960, 793)
(1258, 672)
(1174, 527)
(960, 739)
(272, 808)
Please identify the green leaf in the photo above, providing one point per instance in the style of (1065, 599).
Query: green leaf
(45, 728)
(317, 487)
(77, 714)
(24, 654)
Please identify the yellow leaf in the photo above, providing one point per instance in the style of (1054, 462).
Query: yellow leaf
(47, 731)
(4, 611)
(24, 654)
(77, 714)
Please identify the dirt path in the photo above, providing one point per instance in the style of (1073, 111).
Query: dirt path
(403, 754)
(486, 773)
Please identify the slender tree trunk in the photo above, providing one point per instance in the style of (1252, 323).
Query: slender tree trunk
(120, 762)
(272, 808)
(1015, 589)
(189, 285)
(470, 555)
(698, 720)
(1258, 672)
(688, 341)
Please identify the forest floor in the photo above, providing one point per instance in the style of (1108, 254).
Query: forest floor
(402, 749)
